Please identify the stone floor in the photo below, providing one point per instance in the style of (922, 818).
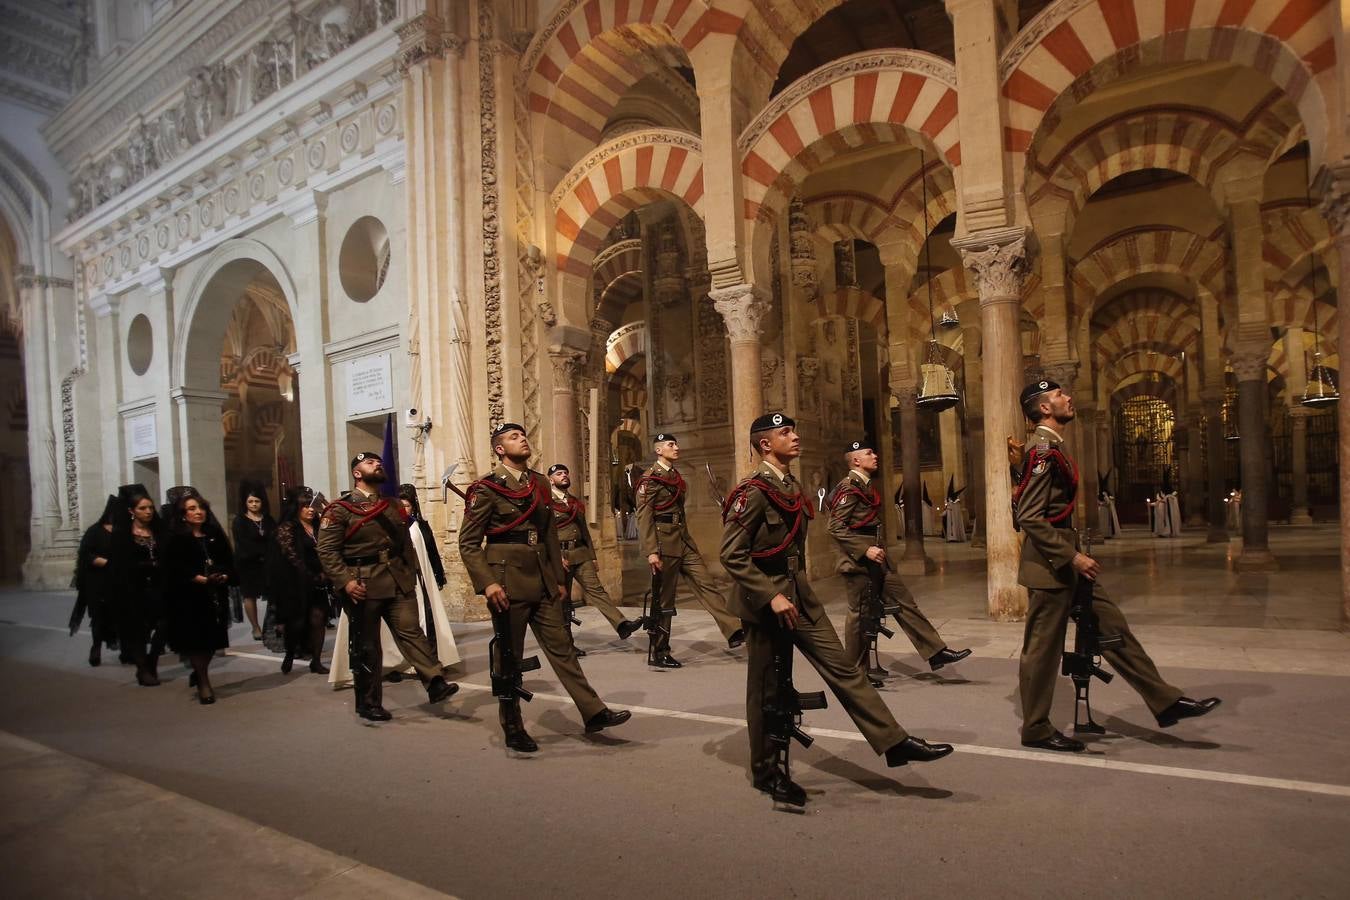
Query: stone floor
(279, 791)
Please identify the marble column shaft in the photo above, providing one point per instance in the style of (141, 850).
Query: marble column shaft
(1336, 208)
(914, 561)
(1214, 450)
(1299, 514)
(743, 308)
(1254, 459)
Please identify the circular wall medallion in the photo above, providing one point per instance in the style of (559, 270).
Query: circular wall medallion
(315, 155)
(363, 259)
(184, 224)
(143, 246)
(162, 236)
(140, 344)
(91, 272)
(232, 200)
(285, 169)
(107, 265)
(351, 135)
(204, 212)
(124, 257)
(256, 186)
(385, 119)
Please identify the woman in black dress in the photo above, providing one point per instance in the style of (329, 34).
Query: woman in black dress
(200, 567)
(252, 528)
(298, 586)
(137, 579)
(93, 566)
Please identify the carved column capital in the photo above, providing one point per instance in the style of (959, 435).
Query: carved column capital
(1334, 186)
(999, 262)
(906, 396)
(568, 365)
(743, 307)
(1065, 373)
(1249, 365)
(424, 37)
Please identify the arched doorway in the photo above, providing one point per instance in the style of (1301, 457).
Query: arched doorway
(16, 505)
(238, 402)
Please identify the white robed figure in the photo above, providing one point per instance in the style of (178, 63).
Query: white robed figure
(953, 518)
(930, 516)
(1157, 515)
(430, 616)
(1108, 523)
(1172, 507)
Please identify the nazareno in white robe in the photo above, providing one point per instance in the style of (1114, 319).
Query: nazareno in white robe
(340, 669)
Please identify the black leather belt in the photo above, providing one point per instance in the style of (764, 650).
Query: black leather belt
(515, 537)
(669, 519)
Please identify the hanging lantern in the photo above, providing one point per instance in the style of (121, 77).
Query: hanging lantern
(938, 391)
(949, 319)
(1320, 390)
(1230, 429)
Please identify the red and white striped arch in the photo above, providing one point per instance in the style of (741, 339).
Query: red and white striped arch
(625, 343)
(1162, 334)
(1175, 251)
(863, 99)
(854, 303)
(1141, 362)
(628, 172)
(1067, 43)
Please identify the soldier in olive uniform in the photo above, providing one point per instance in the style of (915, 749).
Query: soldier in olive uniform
(763, 549)
(856, 523)
(364, 548)
(670, 548)
(578, 552)
(1051, 565)
(510, 547)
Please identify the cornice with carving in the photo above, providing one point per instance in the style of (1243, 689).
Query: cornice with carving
(1029, 37)
(927, 64)
(596, 157)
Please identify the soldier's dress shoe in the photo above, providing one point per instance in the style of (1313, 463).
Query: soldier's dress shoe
(1057, 742)
(607, 718)
(374, 713)
(518, 739)
(782, 788)
(875, 681)
(913, 749)
(946, 656)
(95, 655)
(627, 628)
(286, 662)
(581, 654)
(1186, 708)
(317, 667)
(737, 639)
(439, 689)
(665, 661)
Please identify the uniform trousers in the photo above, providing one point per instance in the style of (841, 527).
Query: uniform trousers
(587, 575)
(690, 565)
(400, 614)
(544, 617)
(911, 619)
(1043, 646)
(819, 643)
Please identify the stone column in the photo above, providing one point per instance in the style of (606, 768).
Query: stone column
(975, 429)
(914, 561)
(1299, 513)
(743, 308)
(1334, 186)
(1254, 458)
(1088, 476)
(998, 261)
(203, 463)
(159, 291)
(41, 567)
(568, 365)
(320, 465)
(1214, 440)
(1197, 500)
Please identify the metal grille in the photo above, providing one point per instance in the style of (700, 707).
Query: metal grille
(1144, 447)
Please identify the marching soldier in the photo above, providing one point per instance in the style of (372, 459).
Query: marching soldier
(671, 549)
(763, 548)
(510, 547)
(364, 548)
(855, 525)
(1050, 568)
(578, 551)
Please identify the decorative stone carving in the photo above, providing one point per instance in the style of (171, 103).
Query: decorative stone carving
(419, 39)
(808, 395)
(743, 308)
(845, 264)
(636, 139)
(677, 391)
(712, 363)
(491, 228)
(999, 269)
(802, 248)
(1249, 366)
(568, 366)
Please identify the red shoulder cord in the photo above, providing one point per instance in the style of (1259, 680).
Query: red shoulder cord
(570, 509)
(529, 489)
(675, 484)
(1065, 466)
(365, 517)
(871, 496)
(794, 505)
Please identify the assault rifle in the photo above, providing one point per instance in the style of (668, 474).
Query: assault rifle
(655, 620)
(872, 612)
(570, 612)
(1083, 663)
(783, 707)
(507, 671)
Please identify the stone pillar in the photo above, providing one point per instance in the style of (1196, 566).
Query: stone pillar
(975, 429)
(1335, 189)
(997, 259)
(1088, 476)
(1197, 500)
(321, 467)
(203, 462)
(44, 568)
(1299, 513)
(568, 365)
(914, 561)
(1214, 440)
(743, 308)
(1254, 458)
(159, 294)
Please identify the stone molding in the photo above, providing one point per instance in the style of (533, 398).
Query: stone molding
(999, 262)
(1031, 34)
(422, 38)
(490, 232)
(647, 137)
(743, 308)
(934, 67)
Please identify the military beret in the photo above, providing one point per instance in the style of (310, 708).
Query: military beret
(663, 437)
(863, 444)
(362, 457)
(558, 467)
(505, 427)
(771, 420)
(1035, 389)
